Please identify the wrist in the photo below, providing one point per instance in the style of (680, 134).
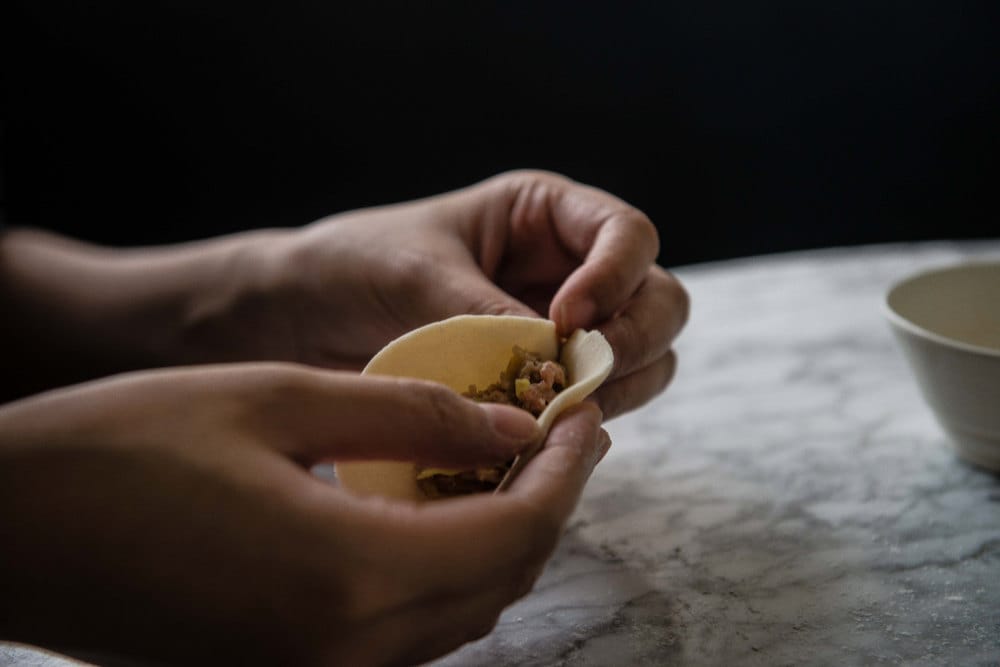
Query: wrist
(237, 308)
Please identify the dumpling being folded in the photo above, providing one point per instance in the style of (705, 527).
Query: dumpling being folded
(473, 351)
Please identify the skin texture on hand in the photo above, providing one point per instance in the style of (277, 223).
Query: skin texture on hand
(335, 292)
(523, 243)
(170, 516)
(78, 311)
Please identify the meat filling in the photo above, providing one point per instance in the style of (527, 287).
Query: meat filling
(529, 383)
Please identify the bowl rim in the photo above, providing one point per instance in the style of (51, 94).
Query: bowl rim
(909, 326)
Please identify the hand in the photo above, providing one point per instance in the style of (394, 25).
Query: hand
(170, 516)
(525, 243)
(332, 294)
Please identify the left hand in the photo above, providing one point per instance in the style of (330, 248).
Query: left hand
(169, 517)
(522, 243)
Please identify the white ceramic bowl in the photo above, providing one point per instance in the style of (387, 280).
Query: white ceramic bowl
(948, 324)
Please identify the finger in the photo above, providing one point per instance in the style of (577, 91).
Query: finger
(645, 328)
(630, 392)
(553, 480)
(613, 243)
(456, 547)
(605, 445)
(616, 243)
(317, 415)
(459, 543)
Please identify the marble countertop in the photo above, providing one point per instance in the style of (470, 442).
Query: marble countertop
(788, 500)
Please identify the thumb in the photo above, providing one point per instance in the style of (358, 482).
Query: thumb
(349, 417)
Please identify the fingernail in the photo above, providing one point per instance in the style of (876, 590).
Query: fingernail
(575, 315)
(511, 422)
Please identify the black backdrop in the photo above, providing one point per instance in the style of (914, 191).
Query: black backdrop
(740, 127)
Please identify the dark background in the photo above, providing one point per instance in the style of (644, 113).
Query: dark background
(740, 127)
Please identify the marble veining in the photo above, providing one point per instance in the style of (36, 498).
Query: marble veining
(789, 500)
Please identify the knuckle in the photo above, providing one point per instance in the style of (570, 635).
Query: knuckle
(444, 411)
(286, 374)
(274, 381)
(646, 230)
(636, 230)
(525, 180)
(406, 263)
(531, 175)
(672, 296)
(681, 298)
(614, 285)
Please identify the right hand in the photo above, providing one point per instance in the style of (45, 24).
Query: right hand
(170, 516)
(524, 243)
